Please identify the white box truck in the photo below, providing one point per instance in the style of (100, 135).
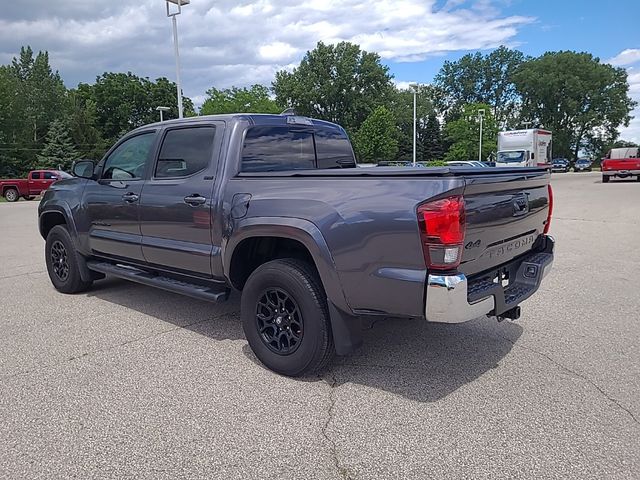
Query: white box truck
(524, 148)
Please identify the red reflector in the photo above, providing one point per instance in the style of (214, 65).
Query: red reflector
(442, 229)
(547, 225)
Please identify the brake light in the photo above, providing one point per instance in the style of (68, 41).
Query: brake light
(547, 225)
(442, 228)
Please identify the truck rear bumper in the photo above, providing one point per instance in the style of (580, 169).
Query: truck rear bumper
(620, 173)
(457, 299)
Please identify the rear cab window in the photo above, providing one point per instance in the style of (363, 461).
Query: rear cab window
(269, 148)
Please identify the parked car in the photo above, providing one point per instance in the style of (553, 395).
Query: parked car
(582, 165)
(467, 163)
(621, 163)
(560, 165)
(273, 206)
(28, 188)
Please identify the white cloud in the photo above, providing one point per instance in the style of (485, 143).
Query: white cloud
(632, 132)
(239, 42)
(626, 57)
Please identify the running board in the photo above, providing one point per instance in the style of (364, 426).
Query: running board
(201, 292)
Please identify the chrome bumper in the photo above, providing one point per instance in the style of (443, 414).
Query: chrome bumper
(447, 300)
(620, 173)
(447, 295)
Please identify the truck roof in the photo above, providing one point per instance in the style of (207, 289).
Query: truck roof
(253, 118)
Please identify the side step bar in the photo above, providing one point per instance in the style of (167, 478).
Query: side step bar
(201, 292)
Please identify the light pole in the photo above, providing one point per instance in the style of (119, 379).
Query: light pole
(162, 109)
(415, 119)
(173, 13)
(481, 116)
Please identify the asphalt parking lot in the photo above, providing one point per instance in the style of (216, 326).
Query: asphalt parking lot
(131, 382)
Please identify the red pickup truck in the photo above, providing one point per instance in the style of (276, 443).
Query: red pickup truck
(622, 163)
(36, 183)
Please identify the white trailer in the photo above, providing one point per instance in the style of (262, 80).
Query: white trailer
(524, 148)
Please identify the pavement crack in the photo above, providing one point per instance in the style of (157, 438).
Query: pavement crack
(106, 349)
(343, 473)
(576, 374)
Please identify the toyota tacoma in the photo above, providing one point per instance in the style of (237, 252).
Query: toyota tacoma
(273, 206)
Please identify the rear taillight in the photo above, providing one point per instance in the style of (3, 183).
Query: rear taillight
(442, 226)
(547, 225)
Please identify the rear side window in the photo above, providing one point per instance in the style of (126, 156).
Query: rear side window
(35, 176)
(333, 149)
(185, 151)
(269, 149)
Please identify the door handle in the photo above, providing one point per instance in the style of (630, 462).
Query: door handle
(195, 200)
(130, 197)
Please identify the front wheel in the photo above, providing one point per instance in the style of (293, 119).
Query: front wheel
(62, 266)
(11, 195)
(605, 178)
(285, 318)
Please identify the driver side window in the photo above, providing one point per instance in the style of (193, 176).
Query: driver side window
(128, 160)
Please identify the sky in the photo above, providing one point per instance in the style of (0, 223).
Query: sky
(241, 42)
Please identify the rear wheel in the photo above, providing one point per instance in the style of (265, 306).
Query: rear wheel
(605, 178)
(11, 195)
(62, 266)
(285, 318)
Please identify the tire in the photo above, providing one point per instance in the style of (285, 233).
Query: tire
(62, 265)
(293, 286)
(605, 178)
(11, 195)
(28, 197)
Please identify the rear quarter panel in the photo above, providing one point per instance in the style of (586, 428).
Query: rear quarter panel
(369, 225)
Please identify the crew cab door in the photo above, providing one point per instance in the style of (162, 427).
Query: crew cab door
(112, 201)
(36, 183)
(177, 200)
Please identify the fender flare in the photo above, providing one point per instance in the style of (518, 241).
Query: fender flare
(346, 328)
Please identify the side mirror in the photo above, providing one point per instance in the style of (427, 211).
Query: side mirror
(533, 155)
(83, 169)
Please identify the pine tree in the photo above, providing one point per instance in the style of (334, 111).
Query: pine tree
(58, 151)
(431, 139)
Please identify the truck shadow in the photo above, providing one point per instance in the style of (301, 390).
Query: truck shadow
(419, 361)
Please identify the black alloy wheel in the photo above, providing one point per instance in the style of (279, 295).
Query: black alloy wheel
(279, 321)
(60, 260)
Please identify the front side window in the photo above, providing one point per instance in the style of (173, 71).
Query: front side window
(50, 176)
(333, 149)
(127, 161)
(271, 149)
(185, 151)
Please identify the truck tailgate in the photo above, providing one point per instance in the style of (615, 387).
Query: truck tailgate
(505, 214)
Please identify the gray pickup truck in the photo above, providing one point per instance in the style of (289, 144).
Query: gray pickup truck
(276, 207)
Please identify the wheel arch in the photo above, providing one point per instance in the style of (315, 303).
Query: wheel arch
(299, 236)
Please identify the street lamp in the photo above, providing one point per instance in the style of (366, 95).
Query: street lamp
(173, 13)
(481, 117)
(162, 109)
(415, 87)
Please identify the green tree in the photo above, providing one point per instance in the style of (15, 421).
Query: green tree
(376, 139)
(478, 78)
(83, 126)
(401, 105)
(339, 83)
(581, 100)
(463, 134)
(58, 151)
(124, 101)
(430, 139)
(255, 99)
